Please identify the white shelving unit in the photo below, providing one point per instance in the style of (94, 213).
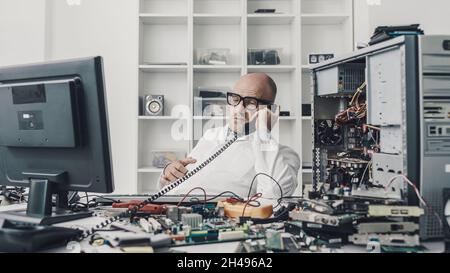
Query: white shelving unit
(171, 31)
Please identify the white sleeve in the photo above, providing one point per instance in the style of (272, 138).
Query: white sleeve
(278, 161)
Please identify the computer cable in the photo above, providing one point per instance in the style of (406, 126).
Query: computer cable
(187, 194)
(273, 179)
(162, 192)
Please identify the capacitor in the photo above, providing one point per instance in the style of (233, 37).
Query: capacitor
(174, 230)
(347, 191)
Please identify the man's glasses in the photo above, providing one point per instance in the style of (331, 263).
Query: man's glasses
(250, 103)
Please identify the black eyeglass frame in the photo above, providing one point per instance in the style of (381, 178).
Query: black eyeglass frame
(243, 99)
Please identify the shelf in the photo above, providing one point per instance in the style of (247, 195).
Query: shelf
(291, 118)
(157, 118)
(306, 68)
(162, 68)
(163, 19)
(209, 118)
(225, 118)
(270, 19)
(324, 19)
(306, 118)
(271, 68)
(216, 19)
(217, 68)
(149, 170)
(307, 171)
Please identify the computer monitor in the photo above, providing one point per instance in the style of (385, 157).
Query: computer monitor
(54, 135)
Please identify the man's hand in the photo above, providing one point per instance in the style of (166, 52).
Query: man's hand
(265, 119)
(176, 170)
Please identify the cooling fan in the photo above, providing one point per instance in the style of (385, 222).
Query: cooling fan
(327, 133)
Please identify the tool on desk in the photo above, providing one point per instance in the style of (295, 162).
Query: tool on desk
(149, 208)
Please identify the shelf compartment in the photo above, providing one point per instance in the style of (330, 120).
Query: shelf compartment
(270, 19)
(162, 68)
(217, 68)
(216, 19)
(217, 6)
(163, 19)
(324, 19)
(180, 7)
(271, 68)
(280, 6)
(161, 43)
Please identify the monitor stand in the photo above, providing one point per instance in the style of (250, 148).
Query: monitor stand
(40, 210)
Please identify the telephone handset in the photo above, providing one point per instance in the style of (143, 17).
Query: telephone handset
(250, 127)
(163, 191)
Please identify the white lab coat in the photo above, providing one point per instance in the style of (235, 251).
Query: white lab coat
(236, 167)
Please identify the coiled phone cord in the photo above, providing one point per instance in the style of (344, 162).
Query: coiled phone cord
(162, 192)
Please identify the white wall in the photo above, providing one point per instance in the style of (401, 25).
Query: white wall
(108, 28)
(22, 26)
(433, 15)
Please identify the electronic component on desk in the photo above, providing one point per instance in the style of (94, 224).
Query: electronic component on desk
(236, 210)
(145, 225)
(386, 239)
(218, 224)
(172, 213)
(331, 236)
(204, 236)
(231, 235)
(178, 237)
(207, 210)
(156, 226)
(388, 227)
(138, 249)
(166, 199)
(285, 113)
(162, 158)
(126, 227)
(149, 208)
(394, 211)
(265, 11)
(274, 240)
(212, 56)
(263, 56)
(323, 219)
(250, 246)
(124, 238)
(152, 105)
(317, 206)
(193, 220)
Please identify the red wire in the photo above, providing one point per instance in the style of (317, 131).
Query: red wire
(187, 194)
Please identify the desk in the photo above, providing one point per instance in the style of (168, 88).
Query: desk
(229, 247)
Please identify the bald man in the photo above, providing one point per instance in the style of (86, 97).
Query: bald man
(251, 116)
